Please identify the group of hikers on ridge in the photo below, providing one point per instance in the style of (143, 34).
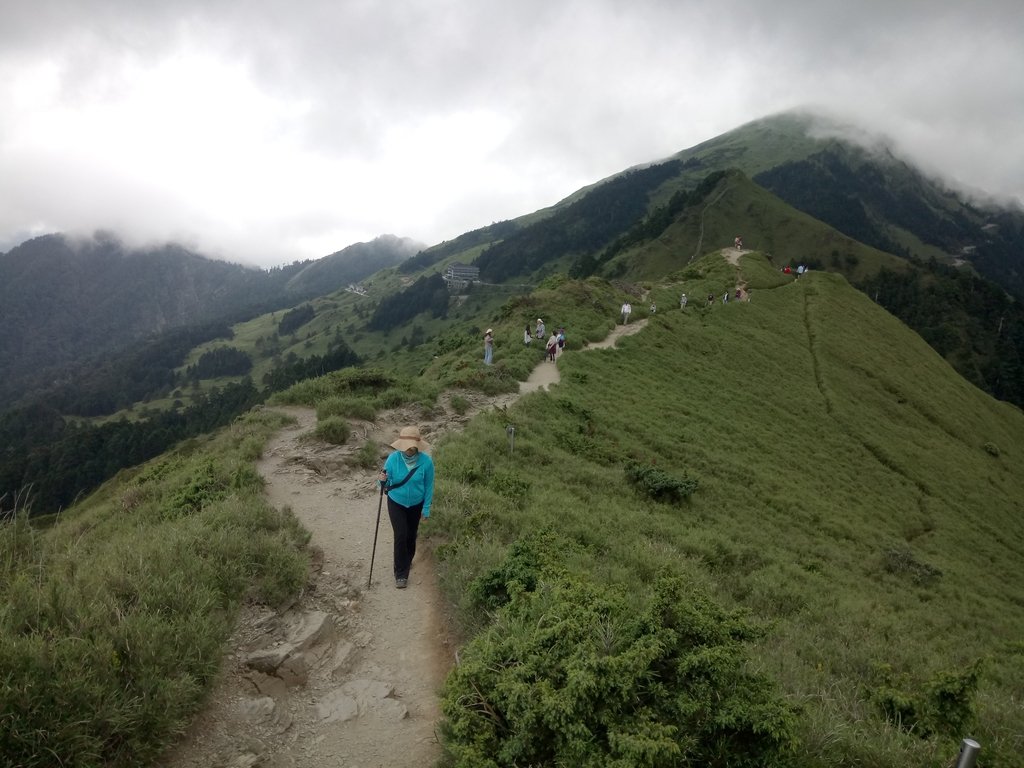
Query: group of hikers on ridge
(555, 343)
(554, 346)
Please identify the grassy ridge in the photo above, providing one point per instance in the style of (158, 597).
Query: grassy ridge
(855, 495)
(113, 621)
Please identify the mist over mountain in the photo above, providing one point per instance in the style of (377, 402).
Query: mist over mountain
(63, 300)
(166, 324)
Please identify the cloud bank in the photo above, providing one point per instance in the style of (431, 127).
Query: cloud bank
(267, 131)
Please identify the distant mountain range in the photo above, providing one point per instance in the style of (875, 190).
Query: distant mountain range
(64, 300)
(795, 186)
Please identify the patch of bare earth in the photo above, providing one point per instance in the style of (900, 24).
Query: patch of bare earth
(349, 675)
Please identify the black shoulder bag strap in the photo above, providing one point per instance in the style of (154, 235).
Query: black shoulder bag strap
(401, 482)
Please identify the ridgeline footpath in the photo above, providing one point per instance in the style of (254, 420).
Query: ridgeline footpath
(348, 674)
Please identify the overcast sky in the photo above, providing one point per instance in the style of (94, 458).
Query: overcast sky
(266, 131)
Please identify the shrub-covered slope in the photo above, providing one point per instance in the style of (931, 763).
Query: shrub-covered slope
(853, 493)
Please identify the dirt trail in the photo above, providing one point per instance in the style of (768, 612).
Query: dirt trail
(348, 676)
(732, 255)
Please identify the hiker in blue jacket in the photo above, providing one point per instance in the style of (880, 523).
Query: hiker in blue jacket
(408, 481)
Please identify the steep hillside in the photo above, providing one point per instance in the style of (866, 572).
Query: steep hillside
(64, 301)
(852, 492)
(735, 206)
(351, 264)
(852, 180)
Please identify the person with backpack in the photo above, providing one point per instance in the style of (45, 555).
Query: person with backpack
(552, 347)
(407, 480)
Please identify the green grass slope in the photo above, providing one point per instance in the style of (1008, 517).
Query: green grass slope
(855, 495)
(738, 206)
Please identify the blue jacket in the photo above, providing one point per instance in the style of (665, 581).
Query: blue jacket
(420, 486)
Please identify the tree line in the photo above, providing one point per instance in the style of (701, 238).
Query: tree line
(54, 460)
(580, 227)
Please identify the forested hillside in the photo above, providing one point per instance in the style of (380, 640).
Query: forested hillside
(65, 301)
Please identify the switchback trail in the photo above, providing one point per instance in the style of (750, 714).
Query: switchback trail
(348, 676)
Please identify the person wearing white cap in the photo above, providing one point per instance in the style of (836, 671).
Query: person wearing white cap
(540, 328)
(408, 481)
(488, 346)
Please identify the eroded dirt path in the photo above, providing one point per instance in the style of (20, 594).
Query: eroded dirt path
(349, 676)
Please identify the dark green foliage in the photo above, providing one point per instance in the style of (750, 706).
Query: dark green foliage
(651, 227)
(517, 573)
(338, 356)
(431, 256)
(944, 705)
(64, 301)
(575, 674)
(294, 319)
(828, 189)
(427, 294)
(970, 321)
(658, 484)
(222, 361)
(79, 458)
(902, 562)
(350, 265)
(108, 383)
(582, 226)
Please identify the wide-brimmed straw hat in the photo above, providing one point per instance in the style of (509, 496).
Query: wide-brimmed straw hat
(408, 438)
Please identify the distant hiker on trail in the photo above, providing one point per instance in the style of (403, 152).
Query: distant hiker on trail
(552, 347)
(682, 301)
(800, 270)
(561, 340)
(527, 338)
(711, 299)
(725, 297)
(738, 242)
(626, 311)
(408, 482)
(654, 307)
(786, 270)
(540, 328)
(488, 346)
(739, 294)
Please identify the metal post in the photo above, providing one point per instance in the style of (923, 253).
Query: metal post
(511, 432)
(969, 750)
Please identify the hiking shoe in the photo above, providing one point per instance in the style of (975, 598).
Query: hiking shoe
(401, 583)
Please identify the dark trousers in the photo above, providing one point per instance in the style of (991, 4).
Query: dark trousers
(405, 522)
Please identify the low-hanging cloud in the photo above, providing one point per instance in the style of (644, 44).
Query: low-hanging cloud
(266, 132)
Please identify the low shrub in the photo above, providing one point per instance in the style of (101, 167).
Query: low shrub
(347, 407)
(334, 430)
(944, 704)
(574, 674)
(658, 484)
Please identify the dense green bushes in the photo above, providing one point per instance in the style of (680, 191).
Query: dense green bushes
(659, 484)
(571, 673)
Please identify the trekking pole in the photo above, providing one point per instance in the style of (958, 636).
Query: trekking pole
(376, 529)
